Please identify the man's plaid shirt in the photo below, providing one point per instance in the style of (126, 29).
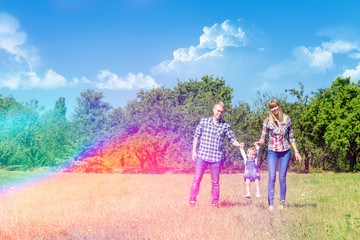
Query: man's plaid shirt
(211, 137)
(280, 135)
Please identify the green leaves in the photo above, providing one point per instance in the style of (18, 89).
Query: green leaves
(157, 127)
(333, 119)
(89, 122)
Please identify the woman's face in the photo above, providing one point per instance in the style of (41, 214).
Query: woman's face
(275, 110)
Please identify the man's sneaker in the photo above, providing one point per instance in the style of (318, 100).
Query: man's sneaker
(271, 208)
(215, 205)
(281, 207)
(258, 195)
(192, 202)
(248, 195)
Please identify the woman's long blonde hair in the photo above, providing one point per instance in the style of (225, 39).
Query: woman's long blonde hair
(272, 117)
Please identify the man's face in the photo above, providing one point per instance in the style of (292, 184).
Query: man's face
(218, 112)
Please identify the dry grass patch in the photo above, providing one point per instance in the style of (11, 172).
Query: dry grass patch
(120, 206)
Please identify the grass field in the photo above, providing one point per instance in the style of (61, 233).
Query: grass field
(120, 206)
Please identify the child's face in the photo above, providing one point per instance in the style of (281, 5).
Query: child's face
(251, 154)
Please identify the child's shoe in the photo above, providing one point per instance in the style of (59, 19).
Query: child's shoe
(248, 195)
(258, 195)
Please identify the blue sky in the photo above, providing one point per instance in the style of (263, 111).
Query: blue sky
(58, 48)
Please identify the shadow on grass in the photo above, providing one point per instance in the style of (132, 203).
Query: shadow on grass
(226, 203)
(297, 205)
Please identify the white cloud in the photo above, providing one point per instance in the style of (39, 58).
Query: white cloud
(355, 55)
(109, 80)
(29, 80)
(227, 34)
(343, 47)
(52, 80)
(186, 54)
(212, 43)
(304, 60)
(339, 46)
(18, 60)
(263, 87)
(10, 81)
(286, 67)
(81, 80)
(354, 74)
(316, 58)
(12, 41)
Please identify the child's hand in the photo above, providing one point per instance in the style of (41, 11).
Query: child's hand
(242, 145)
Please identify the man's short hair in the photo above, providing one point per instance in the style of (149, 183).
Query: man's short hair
(221, 104)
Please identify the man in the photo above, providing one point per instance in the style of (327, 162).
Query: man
(210, 133)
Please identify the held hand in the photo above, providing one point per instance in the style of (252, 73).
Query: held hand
(298, 157)
(242, 145)
(260, 142)
(194, 156)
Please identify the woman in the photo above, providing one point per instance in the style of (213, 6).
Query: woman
(277, 127)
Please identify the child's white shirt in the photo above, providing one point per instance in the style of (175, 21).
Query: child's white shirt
(245, 157)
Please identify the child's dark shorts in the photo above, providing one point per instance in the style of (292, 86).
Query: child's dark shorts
(251, 172)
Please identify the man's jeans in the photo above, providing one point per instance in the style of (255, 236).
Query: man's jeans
(200, 167)
(272, 161)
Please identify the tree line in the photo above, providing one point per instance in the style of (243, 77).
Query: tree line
(155, 130)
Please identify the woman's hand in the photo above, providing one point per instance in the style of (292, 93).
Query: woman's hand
(298, 156)
(260, 142)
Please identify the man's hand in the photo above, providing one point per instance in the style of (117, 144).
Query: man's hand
(236, 143)
(242, 145)
(194, 156)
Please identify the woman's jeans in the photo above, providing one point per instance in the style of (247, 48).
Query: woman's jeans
(272, 160)
(200, 167)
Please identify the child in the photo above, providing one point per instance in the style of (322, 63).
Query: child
(251, 172)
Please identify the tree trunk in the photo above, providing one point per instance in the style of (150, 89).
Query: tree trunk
(352, 158)
(262, 160)
(306, 162)
(141, 160)
(353, 154)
